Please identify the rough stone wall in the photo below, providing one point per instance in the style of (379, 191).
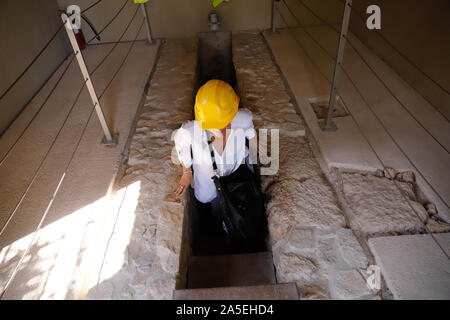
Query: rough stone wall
(311, 243)
(152, 258)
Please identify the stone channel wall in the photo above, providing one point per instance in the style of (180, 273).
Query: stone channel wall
(151, 268)
(310, 240)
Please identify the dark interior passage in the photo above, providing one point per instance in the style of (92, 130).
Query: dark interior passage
(229, 262)
(209, 237)
(214, 59)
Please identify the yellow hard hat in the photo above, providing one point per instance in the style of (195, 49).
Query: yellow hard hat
(216, 104)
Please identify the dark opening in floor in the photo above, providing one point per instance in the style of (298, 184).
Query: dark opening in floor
(214, 259)
(207, 234)
(215, 58)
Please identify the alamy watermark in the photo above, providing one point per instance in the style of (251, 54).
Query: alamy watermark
(373, 280)
(74, 14)
(374, 20)
(264, 147)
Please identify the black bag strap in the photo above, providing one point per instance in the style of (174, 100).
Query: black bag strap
(211, 151)
(213, 158)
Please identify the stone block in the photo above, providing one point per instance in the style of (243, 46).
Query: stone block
(349, 285)
(297, 240)
(293, 267)
(436, 226)
(414, 266)
(310, 203)
(168, 237)
(314, 291)
(327, 254)
(377, 207)
(350, 249)
(297, 160)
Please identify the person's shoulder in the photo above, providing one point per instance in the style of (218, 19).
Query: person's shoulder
(244, 118)
(188, 125)
(186, 129)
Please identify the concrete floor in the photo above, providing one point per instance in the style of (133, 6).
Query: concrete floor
(411, 276)
(58, 263)
(391, 124)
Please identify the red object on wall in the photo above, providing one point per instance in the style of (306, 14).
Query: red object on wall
(80, 39)
(78, 33)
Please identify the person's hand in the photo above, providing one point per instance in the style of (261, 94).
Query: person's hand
(185, 180)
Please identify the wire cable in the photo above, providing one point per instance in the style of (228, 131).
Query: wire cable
(117, 42)
(40, 53)
(370, 68)
(59, 131)
(41, 163)
(91, 6)
(362, 132)
(360, 93)
(110, 21)
(5, 157)
(37, 112)
(373, 71)
(366, 63)
(31, 63)
(16, 269)
(400, 53)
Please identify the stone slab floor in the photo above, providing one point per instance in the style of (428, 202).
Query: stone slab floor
(412, 276)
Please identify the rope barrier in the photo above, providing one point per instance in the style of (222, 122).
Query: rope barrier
(359, 127)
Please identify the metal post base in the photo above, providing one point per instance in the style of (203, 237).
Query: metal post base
(330, 127)
(112, 143)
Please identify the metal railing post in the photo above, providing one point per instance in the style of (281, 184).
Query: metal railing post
(108, 139)
(329, 125)
(272, 21)
(147, 23)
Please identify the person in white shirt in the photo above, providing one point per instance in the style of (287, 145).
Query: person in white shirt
(216, 111)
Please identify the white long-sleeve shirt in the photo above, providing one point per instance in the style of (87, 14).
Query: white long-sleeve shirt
(234, 154)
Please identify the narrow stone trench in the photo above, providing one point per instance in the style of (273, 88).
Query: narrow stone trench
(214, 262)
(214, 61)
(310, 247)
